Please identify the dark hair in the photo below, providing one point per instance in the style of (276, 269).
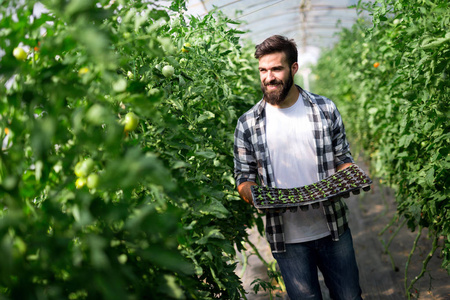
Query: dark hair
(278, 43)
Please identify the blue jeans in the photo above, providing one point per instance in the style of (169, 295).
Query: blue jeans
(336, 261)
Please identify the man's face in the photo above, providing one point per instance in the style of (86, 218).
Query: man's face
(276, 77)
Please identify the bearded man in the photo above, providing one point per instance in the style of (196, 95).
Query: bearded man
(293, 138)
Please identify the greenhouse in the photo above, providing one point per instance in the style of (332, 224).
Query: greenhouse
(173, 150)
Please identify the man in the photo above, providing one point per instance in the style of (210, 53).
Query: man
(289, 139)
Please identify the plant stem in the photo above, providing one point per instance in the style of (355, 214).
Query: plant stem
(386, 246)
(388, 225)
(408, 294)
(424, 262)
(396, 232)
(257, 252)
(270, 266)
(244, 263)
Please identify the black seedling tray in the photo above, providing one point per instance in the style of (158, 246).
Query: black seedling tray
(340, 184)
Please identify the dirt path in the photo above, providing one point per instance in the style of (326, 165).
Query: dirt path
(370, 212)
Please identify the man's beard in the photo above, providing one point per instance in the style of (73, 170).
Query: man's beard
(277, 97)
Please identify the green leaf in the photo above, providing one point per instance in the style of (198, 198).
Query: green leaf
(405, 140)
(206, 154)
(429, 178)
(172, 289)
(210, 233)
(215, 208)
(205, 116)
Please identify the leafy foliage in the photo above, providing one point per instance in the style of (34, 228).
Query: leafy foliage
(164, 219)
(390, 77)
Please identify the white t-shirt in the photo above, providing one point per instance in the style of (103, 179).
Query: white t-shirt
(292, 151)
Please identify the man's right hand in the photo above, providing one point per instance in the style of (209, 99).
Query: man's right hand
(245, 191)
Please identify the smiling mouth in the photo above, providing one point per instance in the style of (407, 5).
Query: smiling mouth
(272, 86)
(273, 83)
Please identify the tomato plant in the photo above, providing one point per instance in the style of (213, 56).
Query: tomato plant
(398, 111)
(164, 221)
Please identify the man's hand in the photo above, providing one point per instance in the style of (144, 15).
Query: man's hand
(245, 191)
(343, 166)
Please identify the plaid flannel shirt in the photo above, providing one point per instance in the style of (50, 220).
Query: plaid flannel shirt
(252, 161)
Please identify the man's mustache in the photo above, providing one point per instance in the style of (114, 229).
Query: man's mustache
(273, 82)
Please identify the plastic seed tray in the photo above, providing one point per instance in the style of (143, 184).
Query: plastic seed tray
(349, 180)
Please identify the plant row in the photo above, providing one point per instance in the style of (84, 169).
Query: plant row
(389, 76)
(117, 121)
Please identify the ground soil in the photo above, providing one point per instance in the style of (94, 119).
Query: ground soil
(382, 273)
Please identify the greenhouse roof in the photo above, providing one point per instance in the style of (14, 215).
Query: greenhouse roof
(313, 24)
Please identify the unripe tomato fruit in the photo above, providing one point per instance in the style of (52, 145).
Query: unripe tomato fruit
(19, 53)
(131, 121)
(168, 71)
(92, 181)
(153, 92)
(375, 65)
(83, 71)
(84, 168)
(183, 62)
(80, 182)
(185, 47)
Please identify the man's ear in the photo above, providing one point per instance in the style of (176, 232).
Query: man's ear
(294, 68)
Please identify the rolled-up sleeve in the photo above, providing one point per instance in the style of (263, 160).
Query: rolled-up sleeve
(245, 166)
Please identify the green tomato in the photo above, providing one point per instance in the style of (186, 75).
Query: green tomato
(168, 71)
(83, 168)
(131, 121)
(19, 53)
(80, 182)
(77, 169)
(186, 47)
(153, 92)
(92, 180)
(130, 75)
(83, 71)
(97, 114)
(183, 62)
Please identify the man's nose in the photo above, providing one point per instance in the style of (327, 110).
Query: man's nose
(270, 75)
